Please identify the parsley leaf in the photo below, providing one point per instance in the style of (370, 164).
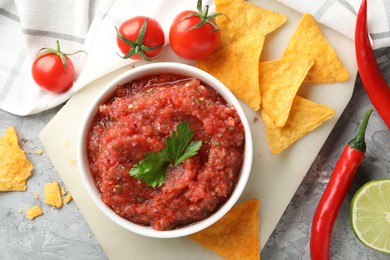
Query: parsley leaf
(178, 148)
(191, 150)
(152, 169)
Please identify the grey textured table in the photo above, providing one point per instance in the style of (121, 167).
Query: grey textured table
(64, 234)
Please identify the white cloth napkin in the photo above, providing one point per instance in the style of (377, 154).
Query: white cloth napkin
(340, 15)
(28, 25)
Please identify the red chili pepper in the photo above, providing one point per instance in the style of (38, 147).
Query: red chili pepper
(370, 74)
(335, 192)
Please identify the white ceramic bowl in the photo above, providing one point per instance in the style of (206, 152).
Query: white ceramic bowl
(137, 73)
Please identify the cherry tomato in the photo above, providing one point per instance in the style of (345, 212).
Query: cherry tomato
(53, 70)
(140, 37)
(194, 35)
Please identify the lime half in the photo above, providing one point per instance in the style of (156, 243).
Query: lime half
(370, 215)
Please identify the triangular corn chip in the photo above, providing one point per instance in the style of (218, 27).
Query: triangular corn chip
(279, 83)
(242, 18)
(236, 235)
(308, 41)
(305, 116)
(14, 166)
(237, 66)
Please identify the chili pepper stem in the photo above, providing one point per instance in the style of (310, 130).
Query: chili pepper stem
(359, 141)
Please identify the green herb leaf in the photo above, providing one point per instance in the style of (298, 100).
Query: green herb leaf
(152, 169)
(191, 150)
(176, 144)
(178, 148)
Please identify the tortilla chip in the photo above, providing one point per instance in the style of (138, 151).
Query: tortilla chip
(279, 83)
(236, 235)
(53, 194)
(308, 41)
(237, 66)
(68, 198)
(34, 212)
(14, 166)
(305, 116)
(242, 18)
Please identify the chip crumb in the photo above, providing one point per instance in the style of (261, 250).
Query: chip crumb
(20, 211)
(66, 143)
(14, 166)
(63, 191)
(53, 194)
(39, 151)
(34, 212)
(36, 195)
(72, 161)
(68, 198)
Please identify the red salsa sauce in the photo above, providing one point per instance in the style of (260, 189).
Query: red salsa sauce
(138, 119)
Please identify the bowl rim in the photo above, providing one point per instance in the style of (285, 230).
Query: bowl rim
(155, 69)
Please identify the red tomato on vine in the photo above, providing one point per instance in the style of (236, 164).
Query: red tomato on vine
(53, 70)
(140, 37)
(194, 35)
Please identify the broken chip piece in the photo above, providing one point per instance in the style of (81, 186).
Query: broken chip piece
(53, 194)
(308, 41)
(236, 235)
(68, 198)
(34, 212)
(14, 166)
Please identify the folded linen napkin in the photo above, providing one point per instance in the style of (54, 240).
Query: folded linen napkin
(27, 26)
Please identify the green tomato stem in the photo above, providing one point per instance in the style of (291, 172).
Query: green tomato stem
(203, 16)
